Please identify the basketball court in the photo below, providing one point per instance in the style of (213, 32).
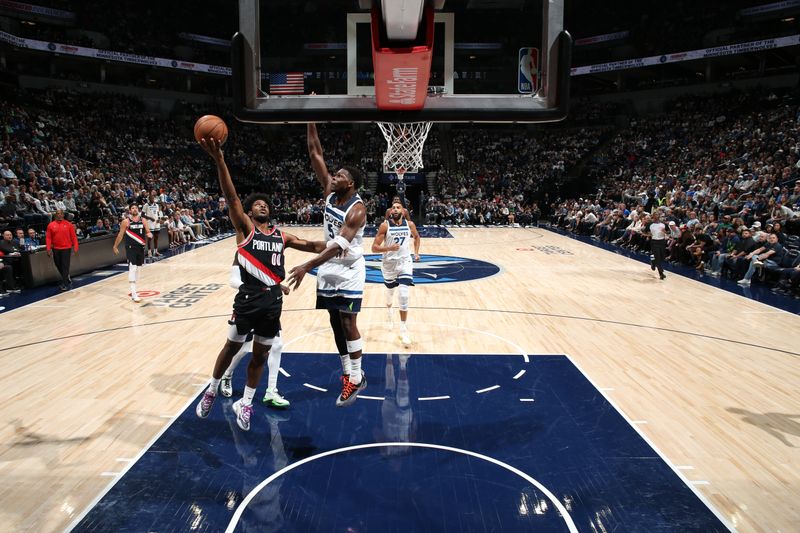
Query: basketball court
(540, 390)
(550, 384)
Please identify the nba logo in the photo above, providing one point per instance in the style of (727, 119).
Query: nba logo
(528, 70)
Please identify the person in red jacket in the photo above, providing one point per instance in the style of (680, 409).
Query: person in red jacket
(60, 237)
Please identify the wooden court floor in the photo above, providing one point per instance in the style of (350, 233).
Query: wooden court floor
(90, 378)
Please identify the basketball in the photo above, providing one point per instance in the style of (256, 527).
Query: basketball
(211, 126)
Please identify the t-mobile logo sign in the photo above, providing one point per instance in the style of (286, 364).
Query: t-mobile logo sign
(403, 85)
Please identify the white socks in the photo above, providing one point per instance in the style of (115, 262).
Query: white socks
(274, 364)
(247, 399)
(345, 363)
(214, 387)
(355, 371)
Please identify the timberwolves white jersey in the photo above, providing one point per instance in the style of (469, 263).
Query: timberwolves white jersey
(333, 223)
(342, 277)
(398, 234)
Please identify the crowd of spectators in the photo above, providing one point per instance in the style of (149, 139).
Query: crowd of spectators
(715, 166)
(722, 170)
(498, 175)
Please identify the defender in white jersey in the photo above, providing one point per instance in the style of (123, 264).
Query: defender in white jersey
(394, 240)
(342, 271)
(152, 212)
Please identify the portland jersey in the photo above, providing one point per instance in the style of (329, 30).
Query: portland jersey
(261, 258)
(135, 233)
(333, 223)
(398, 234)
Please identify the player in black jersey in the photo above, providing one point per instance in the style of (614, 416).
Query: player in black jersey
(257, 305)
(136, 232)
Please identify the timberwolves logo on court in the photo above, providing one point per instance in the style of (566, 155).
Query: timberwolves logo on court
(435, 269)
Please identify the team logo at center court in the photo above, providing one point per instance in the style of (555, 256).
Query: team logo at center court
(434, 269)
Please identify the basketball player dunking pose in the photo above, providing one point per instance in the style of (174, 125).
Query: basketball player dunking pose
(135, 231)
(393, 240)
(342, 270)
(257, 306)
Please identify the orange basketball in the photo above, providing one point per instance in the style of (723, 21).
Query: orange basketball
(211, 127)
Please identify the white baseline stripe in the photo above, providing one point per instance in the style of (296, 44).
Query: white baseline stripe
(429, 398)
(99, 497)
(527, 400)
(379, 398)
(520, 374)
(310, 386)
(555, 501)
(487, 389)
(699, 494)
(284, 372)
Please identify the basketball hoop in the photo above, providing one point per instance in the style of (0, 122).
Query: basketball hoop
(404, 142)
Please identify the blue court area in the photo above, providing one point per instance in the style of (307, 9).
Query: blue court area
(439, 443)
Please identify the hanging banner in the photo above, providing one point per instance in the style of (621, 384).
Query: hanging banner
(37, 10)
(110, 55)
(605, 38)
(718, 51)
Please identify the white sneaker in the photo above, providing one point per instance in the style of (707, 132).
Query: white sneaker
(225, 386)
(135, 298)
(743, 282)
(243, 414)
(758, 263)
(405, 337)
(272, 398)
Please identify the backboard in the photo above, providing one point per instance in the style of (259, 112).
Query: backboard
(346, 92)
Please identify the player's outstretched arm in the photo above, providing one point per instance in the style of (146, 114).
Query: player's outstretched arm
(415, 235)
(239, 220)
(304, 245)
(318, 160)
(355, 219)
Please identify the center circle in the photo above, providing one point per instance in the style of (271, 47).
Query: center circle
(470, 494)
(435, 269)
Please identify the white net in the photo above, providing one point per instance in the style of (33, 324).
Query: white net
(404, 142)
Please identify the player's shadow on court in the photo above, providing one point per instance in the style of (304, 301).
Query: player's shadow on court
(177, 384)
(776, 424)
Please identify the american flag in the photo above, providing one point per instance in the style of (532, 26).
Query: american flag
(286, 83)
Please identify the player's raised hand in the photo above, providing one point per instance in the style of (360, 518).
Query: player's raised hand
(212, 148)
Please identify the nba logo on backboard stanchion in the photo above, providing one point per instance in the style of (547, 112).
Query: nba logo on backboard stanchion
(528, 70)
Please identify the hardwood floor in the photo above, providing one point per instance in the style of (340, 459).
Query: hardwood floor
(90, 378)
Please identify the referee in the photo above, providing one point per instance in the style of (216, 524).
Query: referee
(658, 243)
